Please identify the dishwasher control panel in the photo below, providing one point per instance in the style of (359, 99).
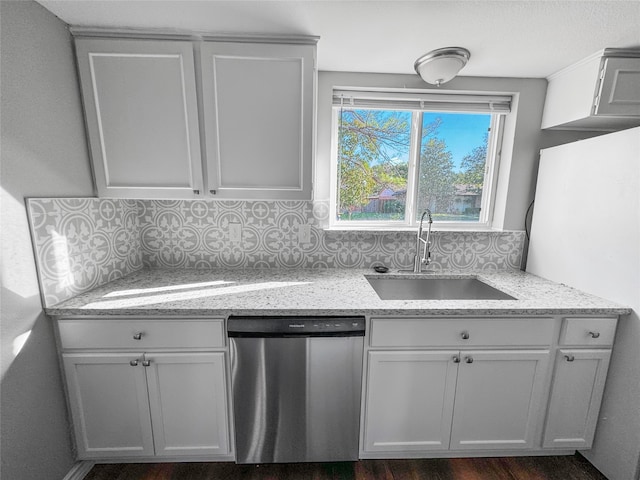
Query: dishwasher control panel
(261, 326)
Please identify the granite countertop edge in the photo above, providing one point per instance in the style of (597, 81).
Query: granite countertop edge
(224, 292)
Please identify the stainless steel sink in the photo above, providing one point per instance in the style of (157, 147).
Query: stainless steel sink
(435, 288)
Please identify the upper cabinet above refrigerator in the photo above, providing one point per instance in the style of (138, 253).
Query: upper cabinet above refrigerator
(602, 92)
(206, 117)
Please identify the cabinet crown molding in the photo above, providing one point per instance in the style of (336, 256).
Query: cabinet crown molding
(168, 34)
(603, 53)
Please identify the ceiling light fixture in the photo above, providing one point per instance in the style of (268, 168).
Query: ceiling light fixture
(441, 65)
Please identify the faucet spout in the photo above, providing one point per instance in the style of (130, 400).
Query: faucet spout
(424, 258)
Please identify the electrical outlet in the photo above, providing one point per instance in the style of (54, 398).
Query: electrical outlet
(304, 233)
(235, 232)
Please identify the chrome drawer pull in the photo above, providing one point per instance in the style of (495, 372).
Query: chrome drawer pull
(134, 363)
(465, 335)
(146, 363)
(456, 359)
(137, 336)
(570, 358)
(468, 359)
(594, 334)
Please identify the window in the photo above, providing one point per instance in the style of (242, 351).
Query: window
(398, 153)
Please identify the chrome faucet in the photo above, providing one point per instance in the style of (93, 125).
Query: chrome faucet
(425, 259)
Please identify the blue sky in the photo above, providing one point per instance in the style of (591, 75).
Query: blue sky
(461, 133)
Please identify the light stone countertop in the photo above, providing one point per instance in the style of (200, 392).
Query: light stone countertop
(177, 292)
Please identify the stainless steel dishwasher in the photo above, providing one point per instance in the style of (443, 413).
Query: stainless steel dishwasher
(296, 388)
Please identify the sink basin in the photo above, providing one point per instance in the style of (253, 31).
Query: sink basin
(421, 288)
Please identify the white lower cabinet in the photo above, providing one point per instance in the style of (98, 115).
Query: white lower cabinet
(143, 387)
(576, 394)
(167, 404)
(499, 399)
(187, 395)
(409, 400)
(135, 404)
(460, 386)
(453, 400)
(109, 404)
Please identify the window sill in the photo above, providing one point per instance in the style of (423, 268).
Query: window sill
(434, 228)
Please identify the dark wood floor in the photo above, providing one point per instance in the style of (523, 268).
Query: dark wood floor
(508, 468)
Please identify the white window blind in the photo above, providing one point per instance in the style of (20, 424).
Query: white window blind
(424, 101)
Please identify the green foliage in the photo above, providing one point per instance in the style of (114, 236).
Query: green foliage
(473, 168)
(356, 184)
(373, 152)
(371, 141)
(436, 176)
(389, 175)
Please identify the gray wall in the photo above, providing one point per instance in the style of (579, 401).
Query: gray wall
(44, 153)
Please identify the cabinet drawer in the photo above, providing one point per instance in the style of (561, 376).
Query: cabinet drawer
(588, 331)
(124, 333)
(426, 332)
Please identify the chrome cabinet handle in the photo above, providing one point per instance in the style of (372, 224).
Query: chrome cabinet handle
(456, 359)
(570, 358)
(212, 192)
(197, 192)
(137, 336)
(468, 359)
(465, 335)
(146, 363)
(134, 363)
(594, 334)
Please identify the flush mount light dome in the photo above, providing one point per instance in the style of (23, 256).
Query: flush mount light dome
(441, 65)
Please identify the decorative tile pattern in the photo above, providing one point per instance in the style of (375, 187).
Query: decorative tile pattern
(81, 243)
(195, 234)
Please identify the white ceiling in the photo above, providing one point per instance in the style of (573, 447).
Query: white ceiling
(507, 38)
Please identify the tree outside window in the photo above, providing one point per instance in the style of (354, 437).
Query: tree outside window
(375, 159)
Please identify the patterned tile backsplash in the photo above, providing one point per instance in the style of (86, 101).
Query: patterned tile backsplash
(82, 243)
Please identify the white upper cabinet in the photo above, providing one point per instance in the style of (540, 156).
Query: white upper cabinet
(142, 117)
(258, 104)
(602, 92)
(256, 121)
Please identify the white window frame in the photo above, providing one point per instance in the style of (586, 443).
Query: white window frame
(410, 222)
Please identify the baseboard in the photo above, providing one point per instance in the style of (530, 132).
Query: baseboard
(79, 470)
(465, 454)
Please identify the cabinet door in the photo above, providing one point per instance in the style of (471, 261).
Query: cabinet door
(109, 404)
(619, 88)
(187, 394)
(142, 119)
(409, 401)
(258, 112)
(576, 393)
(498, 399)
